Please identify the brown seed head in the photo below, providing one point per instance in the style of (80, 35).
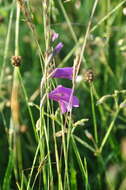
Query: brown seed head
(89, 75)
(16, 60)
(1, 19)
(23, 128)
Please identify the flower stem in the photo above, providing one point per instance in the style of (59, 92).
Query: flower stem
(93, 113)
(109, 130)
(15, 107)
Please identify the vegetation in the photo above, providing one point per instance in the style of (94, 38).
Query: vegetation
(46, 145)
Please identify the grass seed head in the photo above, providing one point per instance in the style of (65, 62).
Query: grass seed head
(1, 19)
(89, 75)
(16, 60)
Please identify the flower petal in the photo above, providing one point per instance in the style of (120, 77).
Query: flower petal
(66, 72)
(58, 48)
(60, 93)
(75, 102)
(64, 96)
(63, 106)
(54, 36)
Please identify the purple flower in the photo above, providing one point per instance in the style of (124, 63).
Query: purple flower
(64, 96)
(58, 48)
(66, 72)
(54, 36)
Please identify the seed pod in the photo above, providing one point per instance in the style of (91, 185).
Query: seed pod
(16, 60)
(88, 135)
(23, 128)
(89, 75)
(1, 19)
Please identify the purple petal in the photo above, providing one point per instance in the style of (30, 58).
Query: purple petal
(75, 102)
(64, 90)
(65, 98)
(66, 72)
(54, 36)
(63, 107)
(61, 89)
(67, 106)
(60, 93)
(58, 48)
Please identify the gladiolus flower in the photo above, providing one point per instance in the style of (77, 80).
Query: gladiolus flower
(64, 96)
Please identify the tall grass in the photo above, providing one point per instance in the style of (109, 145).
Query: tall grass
(40, 147)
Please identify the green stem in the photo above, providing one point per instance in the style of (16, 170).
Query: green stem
(57, 159)
(109, 130)
(26, 99)
(107, 16)
(6, 46)
(93, 113)
(15, 110)
(68, 21)
(33, 165)
(66, 178)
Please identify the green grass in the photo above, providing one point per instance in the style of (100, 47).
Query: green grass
(41, 148)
